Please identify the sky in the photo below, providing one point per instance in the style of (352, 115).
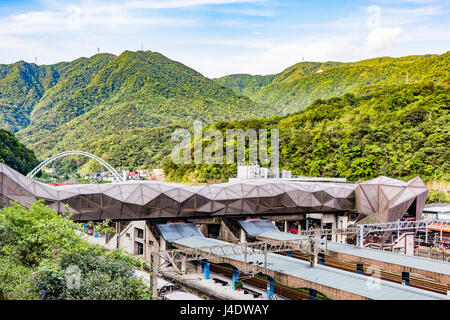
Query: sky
(220, 37)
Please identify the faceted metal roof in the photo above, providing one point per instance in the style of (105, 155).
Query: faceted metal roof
(135, 200)
(385, 199)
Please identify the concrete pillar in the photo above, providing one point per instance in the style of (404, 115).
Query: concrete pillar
(243, 236)
(270, 287)
(206, 270)
(405, 278)
(183, 266)
(321, 258)
(342, 224)
(312, 294)
(286, 226)
(360, 268)
(162, 244)
(234, 278)
(334, 226)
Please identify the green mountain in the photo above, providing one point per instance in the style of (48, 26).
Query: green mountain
(15, 154)
(299, 85)
(73, 104)
(399, 131)
(124, 108)
(245, 84)
(21, 86)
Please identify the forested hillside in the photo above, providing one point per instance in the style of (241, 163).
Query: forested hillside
(124, 109)
(299, 85)
(399, 131)
(15, 154)
(83, 101)
(21, 86)
(245, 84)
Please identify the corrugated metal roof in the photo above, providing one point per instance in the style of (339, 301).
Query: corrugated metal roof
(437, 209)
(391, 257)
(339, 279)
(256, 227)
(282, 236)
(379, 255)
(175, 231)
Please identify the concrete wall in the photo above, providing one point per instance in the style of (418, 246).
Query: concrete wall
(128, 236)
(225, 234)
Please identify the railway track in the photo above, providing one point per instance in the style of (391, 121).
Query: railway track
(280, 290)
(384, 275)
(294, 294)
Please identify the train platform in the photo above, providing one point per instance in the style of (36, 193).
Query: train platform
(197, 282)
(334, 280)
(263, 230)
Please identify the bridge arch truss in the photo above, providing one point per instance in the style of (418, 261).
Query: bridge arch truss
(75, 152)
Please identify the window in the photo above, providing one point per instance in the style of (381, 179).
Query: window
(138, 248)
(151, 243)
(138, 233)
(128, 235)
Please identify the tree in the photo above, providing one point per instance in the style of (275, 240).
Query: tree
(37, 249)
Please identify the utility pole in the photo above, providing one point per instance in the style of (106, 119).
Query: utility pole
(360, 235)
(313, 251)
(154, 275)
(265, 258)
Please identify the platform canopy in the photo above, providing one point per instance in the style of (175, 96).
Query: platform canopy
(138, 200)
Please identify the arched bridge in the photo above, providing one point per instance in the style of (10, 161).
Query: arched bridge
(75, 152)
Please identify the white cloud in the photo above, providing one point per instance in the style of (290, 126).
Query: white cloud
(232, 45)
(81, 17)
(171, 4)
(383, 38)
(403, 16)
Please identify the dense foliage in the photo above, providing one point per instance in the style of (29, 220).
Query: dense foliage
(245, 84)
(299, 85)
(437, 196)
(36, 248)
(15, 154)
(400, 131)
(76, 102)
(125, 108)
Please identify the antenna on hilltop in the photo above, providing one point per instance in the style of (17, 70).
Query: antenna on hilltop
(303, 59)
(142, 46)
(35, 60)
(98, 50)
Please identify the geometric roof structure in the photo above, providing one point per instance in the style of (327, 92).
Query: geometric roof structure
(385, 199)
(139, 200)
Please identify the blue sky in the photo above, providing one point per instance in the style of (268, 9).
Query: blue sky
(218, 37)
